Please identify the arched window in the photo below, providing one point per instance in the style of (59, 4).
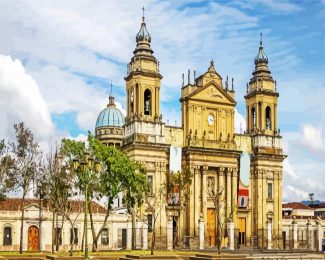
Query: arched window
(268, 118)
(7, 236)
(147, 102)
(253, 115)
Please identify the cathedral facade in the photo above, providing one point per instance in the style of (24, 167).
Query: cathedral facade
(234, 177)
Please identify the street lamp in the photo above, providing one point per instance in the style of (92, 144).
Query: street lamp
(85, 168)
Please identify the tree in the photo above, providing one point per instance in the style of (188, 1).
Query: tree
(24, 158)
(178, 191)
(153, 204)
(5, 165)
(57, 188)
(117, 175)
(218, 201)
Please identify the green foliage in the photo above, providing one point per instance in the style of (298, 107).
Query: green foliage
(118, 173)
(2, 147)
(72, 149)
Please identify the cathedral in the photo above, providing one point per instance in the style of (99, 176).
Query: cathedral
(234, 177)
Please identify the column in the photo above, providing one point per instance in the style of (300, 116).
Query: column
(319, 235)
(257, 118)
(308, 235)
(231, 236)
(170, 233)
(229, 205)
(154, 113)
(294, 234)
(248, 123)
(129, 234)
(192, 203)
(234, 195)
(269, 235)
(221, 188)
(144, 236)
(204, 197)
(201, 233)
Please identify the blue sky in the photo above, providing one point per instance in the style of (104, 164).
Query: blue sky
(57, 59)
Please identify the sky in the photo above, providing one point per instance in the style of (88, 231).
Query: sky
(57, 59)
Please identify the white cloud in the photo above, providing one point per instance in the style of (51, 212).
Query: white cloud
(21, 100)
(312, 138)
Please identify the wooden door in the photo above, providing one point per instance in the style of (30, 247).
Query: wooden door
(211, 226)
(242, 231)
(33, 238)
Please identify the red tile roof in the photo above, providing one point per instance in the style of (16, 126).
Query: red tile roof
(15, 204)
(296, 205)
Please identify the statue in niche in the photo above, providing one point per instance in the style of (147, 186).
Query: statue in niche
(210, 186)
(268, 123)
(132, 101)
(147, 102)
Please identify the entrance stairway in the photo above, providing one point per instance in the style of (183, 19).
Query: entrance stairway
(218, 257)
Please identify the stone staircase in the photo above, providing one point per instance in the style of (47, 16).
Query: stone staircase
(150, 257)
(218, 257)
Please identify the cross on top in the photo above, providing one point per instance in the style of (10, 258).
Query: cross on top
(261, 34)
(143, 13)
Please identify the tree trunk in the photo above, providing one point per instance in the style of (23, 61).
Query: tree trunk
(72, 238)
(83, 240)
(153, 241)
(57, 233)
(96, 237)
(22, 224)
(219, 237)
(53, 231)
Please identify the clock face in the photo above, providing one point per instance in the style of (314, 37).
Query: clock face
(210, 119)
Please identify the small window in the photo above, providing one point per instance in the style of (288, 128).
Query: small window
(105, 236)
(269, 191)
(149, 218)
(150, 183)
(74, 236)
(7, 236)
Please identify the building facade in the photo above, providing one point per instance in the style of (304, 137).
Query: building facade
(38, 222)
(244, 170)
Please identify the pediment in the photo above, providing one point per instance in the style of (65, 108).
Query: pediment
(32, 207)
(213, 93)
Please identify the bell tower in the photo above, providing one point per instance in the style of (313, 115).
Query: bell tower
(267, 154)
(261, 98)
(143, 80)
(143, 121)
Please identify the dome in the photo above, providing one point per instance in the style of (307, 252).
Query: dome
(110, 116)
(261, 56)
(143, 34)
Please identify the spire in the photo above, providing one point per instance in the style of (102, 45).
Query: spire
(261, 56)
(143, 34)
(143, 13)
(111, 98)
(143, 39)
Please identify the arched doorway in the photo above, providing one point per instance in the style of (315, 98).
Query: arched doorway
(33, 238)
